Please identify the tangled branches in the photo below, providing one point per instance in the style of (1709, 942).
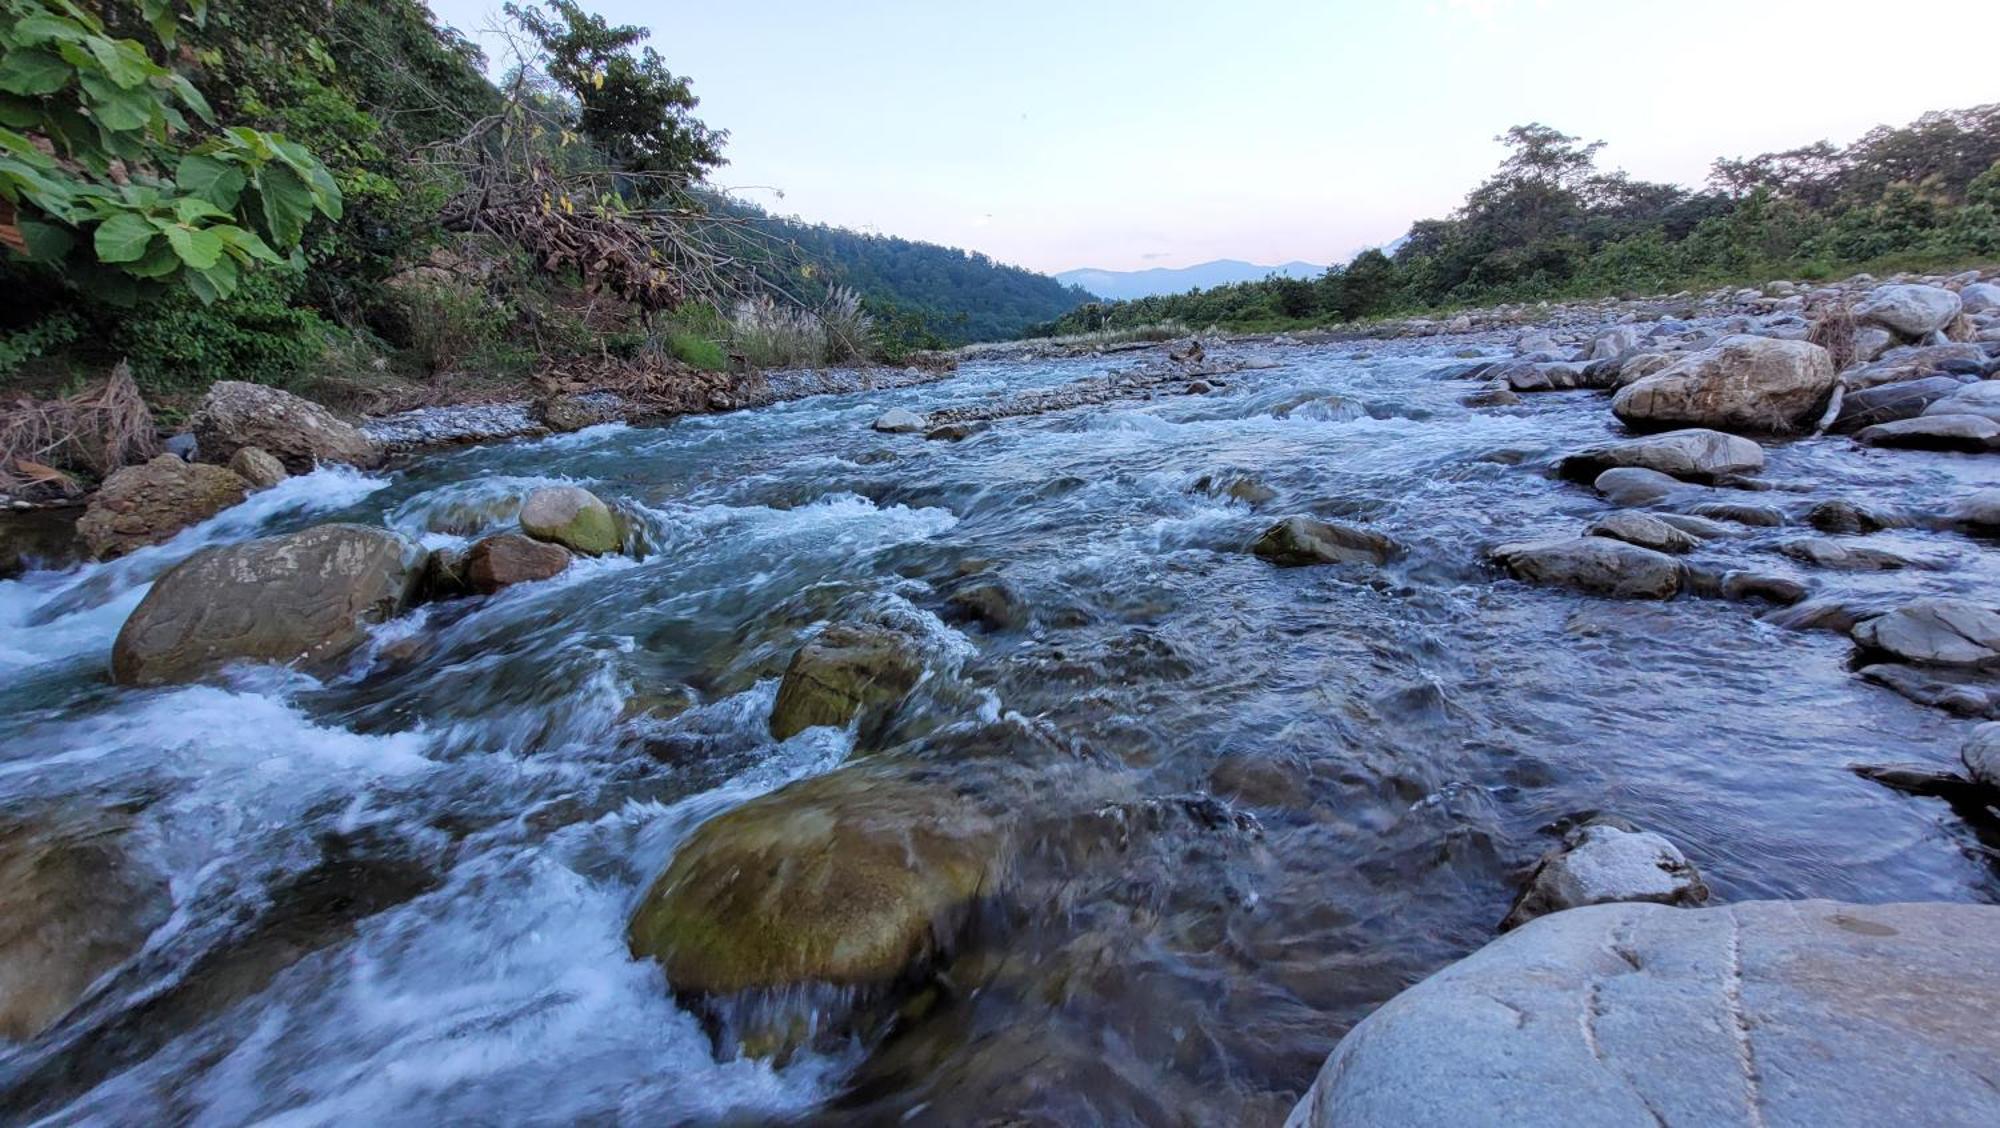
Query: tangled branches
(96, 431)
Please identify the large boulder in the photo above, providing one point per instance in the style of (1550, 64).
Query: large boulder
(258, 466)
(1935, 632)
(1605, 860)
(73, 905)
(149, 503)
(299, 432)
(846, 670)
(1742, 384)
(1911, 311)
(1766, 1012)
(572, 517)
(1971, 434)
(1697, 454)
(856, 880)
(1596, 565)
(1307, 540)
(506, 559)
(305, 598)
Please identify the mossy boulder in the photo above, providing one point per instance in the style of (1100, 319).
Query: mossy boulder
(572, 517)
(857, 880)
(846, 670)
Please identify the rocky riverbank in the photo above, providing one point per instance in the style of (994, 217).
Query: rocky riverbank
(1197, 677)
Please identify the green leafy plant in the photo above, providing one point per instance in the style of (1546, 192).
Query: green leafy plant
(102, 175)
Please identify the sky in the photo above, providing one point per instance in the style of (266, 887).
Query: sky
(1123, 135)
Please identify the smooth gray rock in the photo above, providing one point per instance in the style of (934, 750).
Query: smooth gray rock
(1307, 540)
(1980, 297)
(1812, 1014)
(1644, 530)
(1742, 513)
(1634, 485)
(1549, 376)
(1696, 453)
(898, 421)
(1822, 552)
(1978, 511)
(1981, 397)
(1595, 565)
(1887, 403)
(1935, 632)
(1602, 861)
(1912, 311)
(1981, 754)
(1939, 689)
(1972, 434)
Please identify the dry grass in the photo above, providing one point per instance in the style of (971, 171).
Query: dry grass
(1833, 330)
(45, 443)
(772, 335)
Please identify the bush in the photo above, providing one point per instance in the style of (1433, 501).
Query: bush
(696, 350)
(770, 335)
(451, 323)
(256, 335)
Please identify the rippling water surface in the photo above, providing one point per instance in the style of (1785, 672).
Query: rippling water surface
(399, 895)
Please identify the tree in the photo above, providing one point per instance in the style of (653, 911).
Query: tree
(103, 176)
(628, 103)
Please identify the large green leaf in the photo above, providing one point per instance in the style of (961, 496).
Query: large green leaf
(159, 261)
(33, 71)
(188, 209)
(123, 237)
(115, 107)
(192, 98)
(49, 242)
(122, 60)
(218, 182)
(287, 204)
(41, 28)
(199, 248)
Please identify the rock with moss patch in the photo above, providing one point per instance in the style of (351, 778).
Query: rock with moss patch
(856, 880)
(1297, 541)
(572, 517)
(845, 671)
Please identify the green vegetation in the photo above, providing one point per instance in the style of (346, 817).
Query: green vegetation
(1550, 225)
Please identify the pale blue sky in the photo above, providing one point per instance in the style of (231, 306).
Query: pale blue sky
(1126, 135)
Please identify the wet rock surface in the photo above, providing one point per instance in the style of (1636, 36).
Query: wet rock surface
(847, 670)
(1602, 860)
(147, 504)
(1774, 1011)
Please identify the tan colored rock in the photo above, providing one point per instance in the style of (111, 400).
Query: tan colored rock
(1752, 384)
(149, 503)
(258, 467)
(306, 598)
(1307, 540)
(298, 432)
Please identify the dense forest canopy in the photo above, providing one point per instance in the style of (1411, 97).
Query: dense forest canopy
(1550, 223)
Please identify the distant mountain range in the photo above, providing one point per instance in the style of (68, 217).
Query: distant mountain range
(1118, 285)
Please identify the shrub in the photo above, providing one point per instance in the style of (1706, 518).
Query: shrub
(451, 323)
(696, 350)
(256, 335)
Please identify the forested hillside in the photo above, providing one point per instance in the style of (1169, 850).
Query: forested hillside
(1550, 223)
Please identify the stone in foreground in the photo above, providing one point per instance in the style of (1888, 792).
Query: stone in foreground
(305, 598)
(572, 517)
(1812, 1014)
(857, 879)
(299, 432)
(1306, 540)
(1595, 565)
(1935, 632)
(1602, 861)
(846, 670)
(507, 559)
(1694, 454)
(1755, 384)
(147, 504)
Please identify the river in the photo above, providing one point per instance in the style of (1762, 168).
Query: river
(399, 894)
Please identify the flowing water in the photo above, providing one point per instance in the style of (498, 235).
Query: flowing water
(399, 894)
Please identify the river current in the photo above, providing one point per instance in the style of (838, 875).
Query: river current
(399, 894)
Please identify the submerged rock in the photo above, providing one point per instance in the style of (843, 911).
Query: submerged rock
(147, 504)
(855, 880)
(1596, 565)
(1307, 540)
(305, 598)
(572, 517)
(73, 905)
(1695, 454)
(1825, 553)
(844, 671)
(1742, 384)
(1765, 1012)
(1839, 516)
(299, 432)
(1604, 860)
(1627, 486)
(507, 559)
(987, 600)
(1935, 632)
(1741, 513)
(1978, 511)
(1937, 688)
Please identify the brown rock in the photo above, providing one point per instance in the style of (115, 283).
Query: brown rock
(509, 558)
(258, 467)
(299, 432)
(149, 503)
